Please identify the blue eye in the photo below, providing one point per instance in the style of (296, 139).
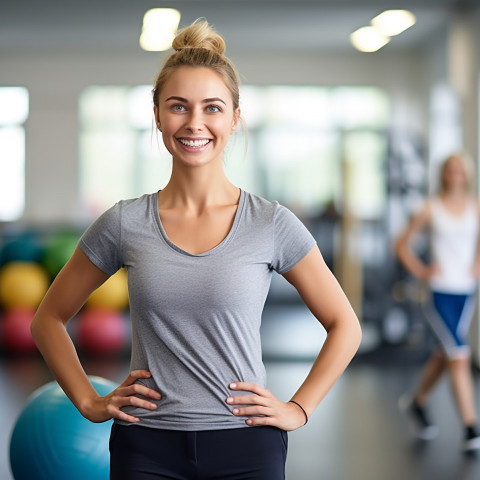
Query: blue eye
(213, 108)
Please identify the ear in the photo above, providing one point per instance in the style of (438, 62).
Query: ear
(157, 118)
(236, 120)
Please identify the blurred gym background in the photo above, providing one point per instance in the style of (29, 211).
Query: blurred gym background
(349, 140)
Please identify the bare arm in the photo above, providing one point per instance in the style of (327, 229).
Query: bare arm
(67, 294)
(326, 300)
(402, 246)
(324, 297)
(476, 264)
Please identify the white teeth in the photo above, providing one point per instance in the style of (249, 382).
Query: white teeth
(194, 143)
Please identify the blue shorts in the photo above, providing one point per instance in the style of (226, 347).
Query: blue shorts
(450, 319)
(252, 453)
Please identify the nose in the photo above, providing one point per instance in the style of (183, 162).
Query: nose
(194, 121)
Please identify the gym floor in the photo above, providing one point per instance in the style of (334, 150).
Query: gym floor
(356, 433)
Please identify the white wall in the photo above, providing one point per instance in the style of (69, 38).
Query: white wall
(55, 82)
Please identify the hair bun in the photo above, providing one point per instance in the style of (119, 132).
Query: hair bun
(199, 35)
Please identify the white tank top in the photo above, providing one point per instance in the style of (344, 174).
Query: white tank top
(453, 245)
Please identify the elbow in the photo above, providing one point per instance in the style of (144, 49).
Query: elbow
(355, 334)
(358, 335)
(34, 328)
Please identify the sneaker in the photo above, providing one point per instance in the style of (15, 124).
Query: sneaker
(472, 440)
(418, 419)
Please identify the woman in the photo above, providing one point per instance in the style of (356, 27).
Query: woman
(453, 219)
(199, 256)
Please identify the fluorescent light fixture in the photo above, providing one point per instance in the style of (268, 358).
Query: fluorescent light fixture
(159, 28)
(393, 22)
(368, 39)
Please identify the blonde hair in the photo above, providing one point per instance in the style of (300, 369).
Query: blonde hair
(468, 169)
(199, 45)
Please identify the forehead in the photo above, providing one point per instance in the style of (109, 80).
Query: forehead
(195, 83)
(454, 162)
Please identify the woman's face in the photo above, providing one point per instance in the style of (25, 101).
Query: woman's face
(196, 116)
(454, 174)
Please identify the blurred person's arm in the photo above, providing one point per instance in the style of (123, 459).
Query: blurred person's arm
(403, 251)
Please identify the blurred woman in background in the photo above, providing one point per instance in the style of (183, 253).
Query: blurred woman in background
(452, 219)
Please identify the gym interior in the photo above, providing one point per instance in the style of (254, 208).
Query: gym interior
(351, 141)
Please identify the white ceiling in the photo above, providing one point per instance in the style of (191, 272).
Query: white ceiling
(109, 26)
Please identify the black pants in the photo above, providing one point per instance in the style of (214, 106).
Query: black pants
(252, 453)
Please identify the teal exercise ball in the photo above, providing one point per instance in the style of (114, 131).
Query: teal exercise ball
(51, 440)
(23, 247)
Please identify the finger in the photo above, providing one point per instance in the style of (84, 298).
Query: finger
(119, 401)
(249, 387)
(251, 411)
(137, 374)
(139, 389)
(125, 417)
(257, 421)
(247, 400)
(137, 402)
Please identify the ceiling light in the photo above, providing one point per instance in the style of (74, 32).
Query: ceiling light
(368, 39)
(159, 28)
(393, 22)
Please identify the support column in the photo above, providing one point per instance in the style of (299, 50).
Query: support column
(463, 75)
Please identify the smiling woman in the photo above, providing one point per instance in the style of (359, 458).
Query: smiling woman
(200, 254)
(196, 116)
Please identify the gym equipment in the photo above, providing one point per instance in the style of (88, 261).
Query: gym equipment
(51, 440)
(15, 333)
(100, 331)
(113, 294)
(22, 284)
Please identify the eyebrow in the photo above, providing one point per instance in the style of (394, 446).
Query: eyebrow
(184, 100)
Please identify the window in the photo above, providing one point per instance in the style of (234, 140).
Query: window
(300, 140)
(13, 114)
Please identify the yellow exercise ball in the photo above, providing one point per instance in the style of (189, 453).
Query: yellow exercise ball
(113, 294)
(22, 284)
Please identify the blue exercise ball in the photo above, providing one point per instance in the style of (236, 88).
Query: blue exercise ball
(52, 441)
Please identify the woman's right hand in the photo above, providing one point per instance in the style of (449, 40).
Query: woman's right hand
(101, 409)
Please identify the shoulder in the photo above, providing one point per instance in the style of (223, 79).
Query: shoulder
(137, 203)
(114, 217)
(427, 209)
(259, 203)
(259, 208)
(130, 208)
(269, 211)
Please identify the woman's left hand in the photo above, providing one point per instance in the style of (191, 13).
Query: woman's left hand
(263, 408)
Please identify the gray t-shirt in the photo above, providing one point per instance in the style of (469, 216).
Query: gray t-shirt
(196, 318)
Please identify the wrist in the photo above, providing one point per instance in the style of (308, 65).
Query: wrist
(301, 408)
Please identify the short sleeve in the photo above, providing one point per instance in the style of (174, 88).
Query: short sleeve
(101, 242)
(292, 240)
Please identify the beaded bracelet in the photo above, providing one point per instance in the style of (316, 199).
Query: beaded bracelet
(303, 410)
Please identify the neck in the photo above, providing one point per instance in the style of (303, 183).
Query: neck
(198, 188)
(455, 193)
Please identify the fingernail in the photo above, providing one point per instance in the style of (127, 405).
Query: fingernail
(235, 411)
(233, 385)
(229, 400)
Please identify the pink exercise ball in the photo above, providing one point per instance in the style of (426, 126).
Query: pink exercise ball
(101, 331)
(15, 333)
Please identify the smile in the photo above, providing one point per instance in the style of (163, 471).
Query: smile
(194, 143)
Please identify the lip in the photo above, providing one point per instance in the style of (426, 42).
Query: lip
(191, 148)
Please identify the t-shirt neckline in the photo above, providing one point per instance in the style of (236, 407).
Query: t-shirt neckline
(220, 246)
